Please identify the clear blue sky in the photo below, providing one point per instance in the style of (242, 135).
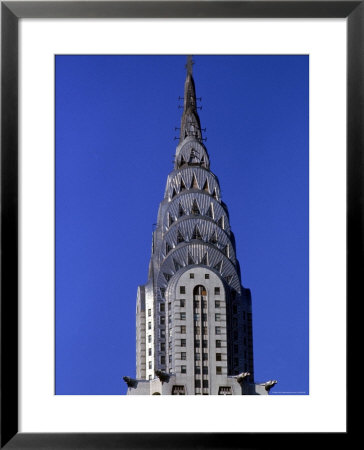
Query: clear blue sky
(115, 119)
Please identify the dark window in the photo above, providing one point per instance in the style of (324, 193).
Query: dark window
(204, 330)
(217, 291)
(183, 316)
(161, 307)
(150, 364)
(197, 370)
(192, 275)
(217, 330)
(196, 316)
(183, 329)
(178, 390)
(163, 347)
(218, 356)
(218, 370)
(183, 355)
(182, 289)
(162, 320)
(196, 303)
(197, 330)
(207, 276)
(204, 317)
(205, 356)
(197, 383)
(149, 325)
(195, 210)
(163, 359)
(183, 369)
(218, 344)
(149, 338)
(183, 342)
(217, 317)
(205, 370)
(205, 383)
(197, 357)
(197, 343)
(149, 352)
(182, 303)
(204, 304)
(204, 344)
(149, 312)
(217, 303)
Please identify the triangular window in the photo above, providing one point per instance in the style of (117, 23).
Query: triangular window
(190, 260)
(173, 193)
(213, 238)
(194, 184)
(220, 222)
(182, 161)
(182, 186)
(177, 265)
(229, 278)
(181, 211)
(204, 260)
(226, 250)
(209, 212)
(196, 234)
(193, 153)
(170, 220)
(180, 238)
(195, 209)
(215, 194)
(206, 186)
(218, 266)
(167, 276)
(168, 248)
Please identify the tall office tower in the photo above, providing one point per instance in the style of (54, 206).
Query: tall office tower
(194, 317)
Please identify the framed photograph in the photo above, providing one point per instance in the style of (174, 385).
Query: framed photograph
(87, 124)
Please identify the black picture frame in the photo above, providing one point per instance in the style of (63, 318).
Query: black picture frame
(11, 12)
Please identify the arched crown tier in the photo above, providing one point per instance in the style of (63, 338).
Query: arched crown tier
(192, 230)
(199, 255)
(192, 178)
(191, 152)
(196, 205)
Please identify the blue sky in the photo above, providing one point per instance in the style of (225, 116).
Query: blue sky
(115, 119)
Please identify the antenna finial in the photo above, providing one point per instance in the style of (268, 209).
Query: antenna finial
(190, 63)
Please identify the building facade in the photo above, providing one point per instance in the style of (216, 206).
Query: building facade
(193, 317)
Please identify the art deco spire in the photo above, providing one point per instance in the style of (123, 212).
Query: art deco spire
(190, 123)
(194, 318)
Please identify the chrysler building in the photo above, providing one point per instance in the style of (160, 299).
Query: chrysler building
(193, 316)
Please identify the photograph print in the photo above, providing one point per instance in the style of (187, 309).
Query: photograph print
(182, 224)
